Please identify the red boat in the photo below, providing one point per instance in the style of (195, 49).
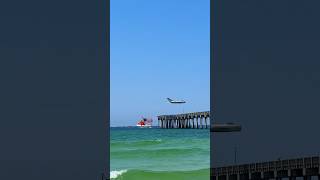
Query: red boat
(144, 122)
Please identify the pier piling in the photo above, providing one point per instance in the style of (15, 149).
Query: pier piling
(193, 120)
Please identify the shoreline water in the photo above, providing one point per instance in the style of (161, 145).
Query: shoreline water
(159, 175)
(154, 153)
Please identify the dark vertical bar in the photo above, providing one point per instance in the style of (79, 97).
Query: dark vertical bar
(212, 94)
(107, 75)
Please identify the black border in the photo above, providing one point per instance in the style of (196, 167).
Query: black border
(37, 40)
(108, 89)
(212, 94)
(107, 98)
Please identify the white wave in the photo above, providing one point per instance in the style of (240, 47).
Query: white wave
(115, 174)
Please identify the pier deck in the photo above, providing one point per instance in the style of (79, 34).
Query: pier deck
(289, 168)
(193, 120)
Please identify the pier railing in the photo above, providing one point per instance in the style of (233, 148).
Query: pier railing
(288, 168)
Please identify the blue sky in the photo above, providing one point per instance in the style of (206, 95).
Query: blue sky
(159, 49)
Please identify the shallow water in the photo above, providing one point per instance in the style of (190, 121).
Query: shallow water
(153, 153)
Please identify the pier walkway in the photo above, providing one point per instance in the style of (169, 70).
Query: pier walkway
(289, 168)
(193, 120)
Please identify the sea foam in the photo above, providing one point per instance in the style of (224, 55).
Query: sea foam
(115, 174)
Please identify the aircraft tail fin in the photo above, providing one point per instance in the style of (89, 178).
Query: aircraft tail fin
(170, 100)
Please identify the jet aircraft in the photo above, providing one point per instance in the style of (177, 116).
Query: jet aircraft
(176, 101)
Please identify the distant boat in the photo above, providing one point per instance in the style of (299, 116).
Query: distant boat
(145, 123)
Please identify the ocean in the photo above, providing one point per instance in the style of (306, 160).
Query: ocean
(154, 154)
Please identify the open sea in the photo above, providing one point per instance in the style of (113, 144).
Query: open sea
(154, 154)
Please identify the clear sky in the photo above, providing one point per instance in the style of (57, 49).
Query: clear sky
(159, 49)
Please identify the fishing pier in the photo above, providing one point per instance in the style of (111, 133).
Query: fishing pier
(291, 169)
(195, 120)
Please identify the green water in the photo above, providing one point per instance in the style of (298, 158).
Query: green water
(152, 153)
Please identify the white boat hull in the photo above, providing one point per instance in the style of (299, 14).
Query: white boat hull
(144, 126)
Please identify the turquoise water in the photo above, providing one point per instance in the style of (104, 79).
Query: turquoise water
(153, 153)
